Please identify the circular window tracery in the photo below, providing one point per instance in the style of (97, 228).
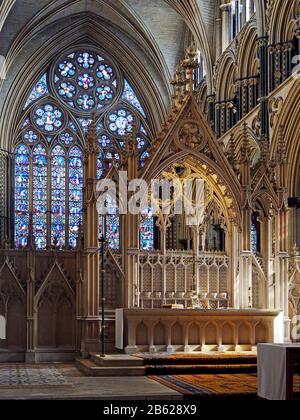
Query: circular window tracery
(85, 81)
(120, 122)
(48, 118)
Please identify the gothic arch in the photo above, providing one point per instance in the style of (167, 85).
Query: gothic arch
(288, 127)
(247, 53)
(13, 308)
(55, 308)
(283, 21)
(22, 68)
(225, 76)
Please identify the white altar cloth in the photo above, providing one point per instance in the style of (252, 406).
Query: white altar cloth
(272, 370)
(2, 328)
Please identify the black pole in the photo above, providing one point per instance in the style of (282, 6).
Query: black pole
(102, 241)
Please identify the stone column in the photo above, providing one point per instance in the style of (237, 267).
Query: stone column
(91, 282)
(131, 229)
(211, 111)
(282, 256)
(246, 251)
(31, 321)
(263, 94)
(226, 25)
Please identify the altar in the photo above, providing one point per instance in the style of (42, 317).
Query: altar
(278, 371)
(166, 330)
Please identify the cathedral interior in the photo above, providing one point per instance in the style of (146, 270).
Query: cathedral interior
(187, 90)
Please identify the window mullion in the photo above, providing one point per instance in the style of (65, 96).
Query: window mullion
(30, 192)
(49, 200)
(67, 201)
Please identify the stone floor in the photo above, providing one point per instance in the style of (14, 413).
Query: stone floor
(86, 388)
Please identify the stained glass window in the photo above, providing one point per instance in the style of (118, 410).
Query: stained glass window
(130, 96)
(58, 196)
(110, 225)
(48, 118)
(84, 123)
(49, 161)
(30, 136)
(120, 122)
(22, 168)
(85, 81)
(75, 194)
(39, 90)
(66, 138)
(147, 231)
(39, 219)
(255, 234)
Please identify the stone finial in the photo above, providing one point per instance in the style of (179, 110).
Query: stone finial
(281, 150)
(231, 152)
(189, 64)
(245, 149)
(178, 84)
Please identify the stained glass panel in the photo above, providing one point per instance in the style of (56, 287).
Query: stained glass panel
(254, 238)
(66, 138)
(22, 168)
(113, 231)
(85, 81)
(130, 96)
(40, 197)
(111, 221)
(39, 90)
(120, 122)
(30, 136)
(147, 231)
(100, 166)
(75, 194)
(58, 196)
(48, 118)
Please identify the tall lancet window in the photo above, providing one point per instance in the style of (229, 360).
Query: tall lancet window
(75, 194)
(81, 85)
(58, 196)
(40, 196)
(22, 171)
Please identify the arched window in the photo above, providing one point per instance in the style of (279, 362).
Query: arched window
(58, 194)
(22, 171)
(49, 167)
(40, 196)
(75, 193)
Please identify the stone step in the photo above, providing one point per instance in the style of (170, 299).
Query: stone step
(116, 360)
(200, 369)
(89, 368)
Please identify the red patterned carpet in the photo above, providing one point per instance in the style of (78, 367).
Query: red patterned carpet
(229, 386)
(206, 376)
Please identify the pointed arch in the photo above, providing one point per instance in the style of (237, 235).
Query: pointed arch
(247, 53)
(283, 22)
(225, 76)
